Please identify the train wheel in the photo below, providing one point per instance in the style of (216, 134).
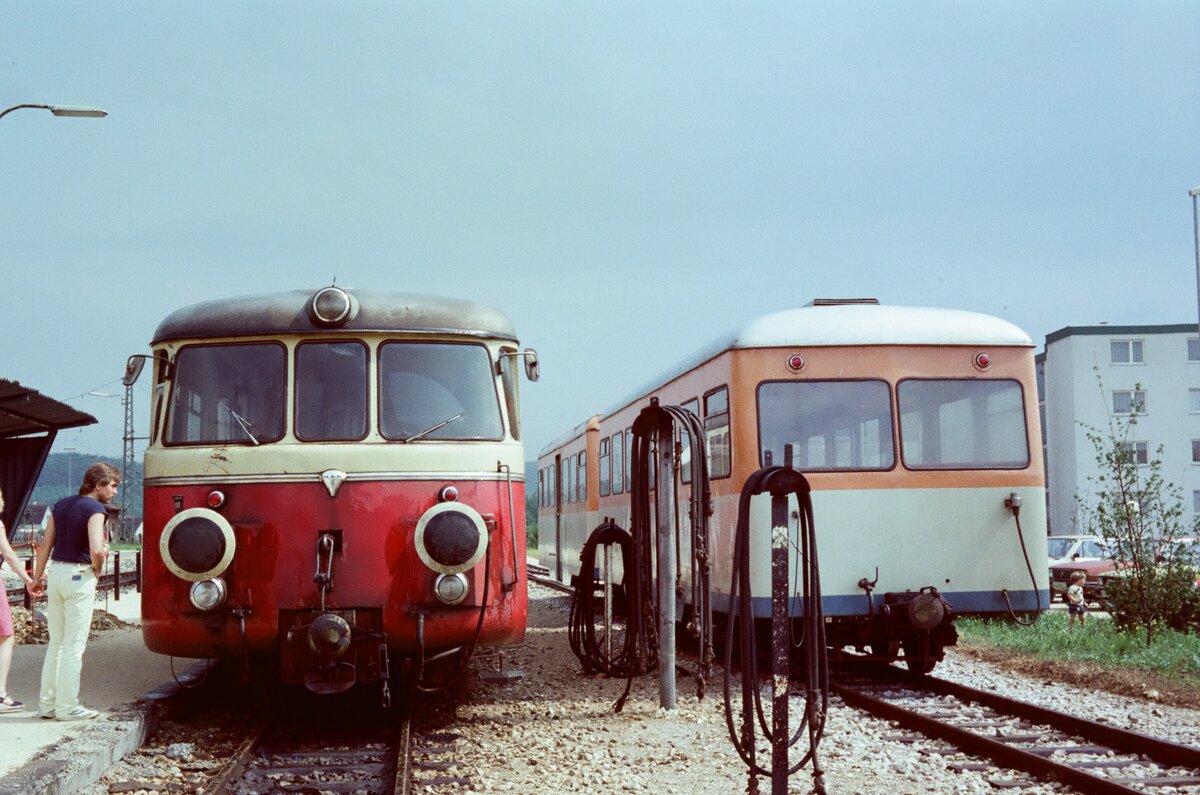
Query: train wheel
(918, 656)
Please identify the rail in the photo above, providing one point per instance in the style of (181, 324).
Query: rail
(18, 596)
(1021, 736)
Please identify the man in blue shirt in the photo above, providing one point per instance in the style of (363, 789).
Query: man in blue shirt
(75, 540)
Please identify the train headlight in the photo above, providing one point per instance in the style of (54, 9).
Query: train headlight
(208, 594)
(197, 544)
(451, 537)
(450, 588)
(926, 611)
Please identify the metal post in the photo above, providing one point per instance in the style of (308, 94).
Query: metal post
(608, 612)
(28, 597)
(117, 576)
(666, 569)
(779, 638)
(137, 561)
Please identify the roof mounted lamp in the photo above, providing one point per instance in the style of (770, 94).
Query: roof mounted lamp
(331, 306)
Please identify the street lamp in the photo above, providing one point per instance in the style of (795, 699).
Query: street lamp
(70, 451)
(75, 111)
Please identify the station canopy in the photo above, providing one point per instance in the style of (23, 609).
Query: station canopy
(29, 421)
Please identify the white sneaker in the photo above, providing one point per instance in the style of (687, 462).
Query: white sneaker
(80, 712)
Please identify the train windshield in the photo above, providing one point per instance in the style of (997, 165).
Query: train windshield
(828, 424)
(228, 394)
(432, 390)
(962, 424)
(331, 391)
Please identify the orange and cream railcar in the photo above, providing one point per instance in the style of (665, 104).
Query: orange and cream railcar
(917, 429)
(334, 484)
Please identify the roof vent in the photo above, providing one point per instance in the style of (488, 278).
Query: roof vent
(842, 301)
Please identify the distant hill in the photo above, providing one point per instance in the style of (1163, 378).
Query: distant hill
(63, 473)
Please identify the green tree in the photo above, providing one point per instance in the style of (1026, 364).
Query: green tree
(1140, 514)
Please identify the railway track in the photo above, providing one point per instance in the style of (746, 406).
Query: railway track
(312, 745)
(16, 596)
(1040, 744)
(541, 575)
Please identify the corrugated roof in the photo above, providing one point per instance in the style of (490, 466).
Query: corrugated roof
(24, 411)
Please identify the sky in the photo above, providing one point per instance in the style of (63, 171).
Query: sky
(627, 181)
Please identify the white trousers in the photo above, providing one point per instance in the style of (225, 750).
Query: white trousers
(70, 596)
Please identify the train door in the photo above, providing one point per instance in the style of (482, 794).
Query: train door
(558, 500)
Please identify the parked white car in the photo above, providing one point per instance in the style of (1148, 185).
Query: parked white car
(1064, 549)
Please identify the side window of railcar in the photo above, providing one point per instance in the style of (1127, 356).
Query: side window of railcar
(228, 394)
(828, 424)
(605, 471)
(618, 462)
(962, 424)
(510, 379)
(581, 477)
(716, 432)
(434, 390)
(685, 446)
(628, 458)
(331, 391)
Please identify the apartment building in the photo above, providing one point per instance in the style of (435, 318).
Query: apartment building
(1091, 375)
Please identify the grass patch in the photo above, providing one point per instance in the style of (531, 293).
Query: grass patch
(1113, 660)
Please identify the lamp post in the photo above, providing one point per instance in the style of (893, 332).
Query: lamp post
(1194, 193)
(70, 451)
(75, 111)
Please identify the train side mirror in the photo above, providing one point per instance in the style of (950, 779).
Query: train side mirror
(133, 369)
(533, 368)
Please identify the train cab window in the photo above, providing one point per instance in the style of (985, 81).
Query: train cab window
(685, 445)
(829, 425)
(618, 463)
(605, 468)
(331, 391)
(511, 381)
(716, 432)
(434, 390)
(962, 424)
(228, 394)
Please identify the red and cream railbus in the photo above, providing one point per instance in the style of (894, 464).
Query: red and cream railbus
(918, 431)
(334, 484)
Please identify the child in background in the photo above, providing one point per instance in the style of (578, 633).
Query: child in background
(1075, 604)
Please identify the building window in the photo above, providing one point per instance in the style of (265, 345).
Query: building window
(1194, 401)
(1196, 502)
(1128, 401)
(1196, 451)
(1127, 352)
(605, 480)
(1138, 454)
(1194, 349)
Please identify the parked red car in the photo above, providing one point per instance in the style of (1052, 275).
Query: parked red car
(1093, 588)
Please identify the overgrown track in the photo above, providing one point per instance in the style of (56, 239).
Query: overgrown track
(1047, 745)
(16, 596)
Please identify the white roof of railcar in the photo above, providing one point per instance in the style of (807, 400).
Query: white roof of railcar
(851, 324)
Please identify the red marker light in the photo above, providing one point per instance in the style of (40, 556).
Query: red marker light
(795, 362)
(982, 360)
(216, 499)
(448, 494)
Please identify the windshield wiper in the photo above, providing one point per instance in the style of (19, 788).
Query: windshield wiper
(433, 428)
(241, 421)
